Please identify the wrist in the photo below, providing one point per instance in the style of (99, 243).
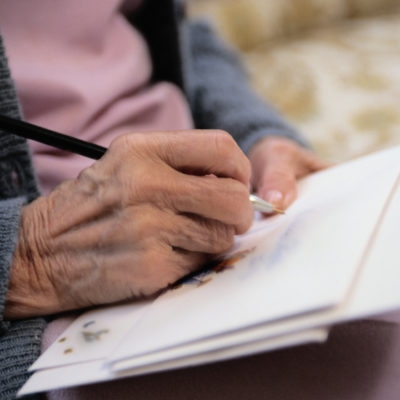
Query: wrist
(30, 292)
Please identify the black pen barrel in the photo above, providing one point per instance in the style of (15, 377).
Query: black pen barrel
(51, 138)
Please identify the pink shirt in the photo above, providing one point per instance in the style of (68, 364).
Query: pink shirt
(81, 69)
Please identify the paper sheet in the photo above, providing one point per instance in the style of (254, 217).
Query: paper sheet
(95, 371)
(295, 279)
(375, 291)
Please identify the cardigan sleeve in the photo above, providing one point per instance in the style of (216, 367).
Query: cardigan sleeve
(219, 92)
(19, 340)
(10, 211)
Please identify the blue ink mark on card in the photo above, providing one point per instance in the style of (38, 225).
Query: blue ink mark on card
(86, 324)
(290, 239)
(254, 265)
(93, 336)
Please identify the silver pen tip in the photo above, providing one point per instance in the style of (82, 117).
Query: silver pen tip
(261, 205)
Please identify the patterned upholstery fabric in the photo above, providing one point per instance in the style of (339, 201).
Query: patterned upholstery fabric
(332, 67)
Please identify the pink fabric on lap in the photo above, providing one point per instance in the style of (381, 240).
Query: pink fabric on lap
(54, 329)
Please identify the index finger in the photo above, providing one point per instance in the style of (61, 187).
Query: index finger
(202, 152)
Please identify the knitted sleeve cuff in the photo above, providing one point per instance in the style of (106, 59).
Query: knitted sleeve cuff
(10, 212)
(19, 340)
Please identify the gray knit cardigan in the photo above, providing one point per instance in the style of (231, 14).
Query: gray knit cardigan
(185, 53)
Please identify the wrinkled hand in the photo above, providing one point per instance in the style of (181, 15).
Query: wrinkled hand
(277, 163)
(146, 214)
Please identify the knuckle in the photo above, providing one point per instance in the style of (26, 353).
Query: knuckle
(140, 184)
(182, 266)
(151, 186)
(234, 159)
(147, 223)
(175, 195)
(159, 192)
(97, 185)
(87, 178)
(109, 196)
(135, 189)
(154, 263)
(210, 236)
(128, 145)
(120, 144)
(224, 142)
(222, 238)
(162, 269)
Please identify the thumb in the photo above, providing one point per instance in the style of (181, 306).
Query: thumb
(278, 186)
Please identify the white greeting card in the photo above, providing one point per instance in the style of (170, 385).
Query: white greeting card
(328, 259)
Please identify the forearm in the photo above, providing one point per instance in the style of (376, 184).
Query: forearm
(220, 95)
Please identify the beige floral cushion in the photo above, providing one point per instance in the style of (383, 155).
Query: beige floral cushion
(339, 84)
(247, 23)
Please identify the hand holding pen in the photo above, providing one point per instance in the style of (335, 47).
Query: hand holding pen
(141, 217)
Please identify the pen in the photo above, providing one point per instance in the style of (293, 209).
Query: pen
(87, 149)
(263, 206)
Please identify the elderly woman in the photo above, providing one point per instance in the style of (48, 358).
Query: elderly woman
(162, 199)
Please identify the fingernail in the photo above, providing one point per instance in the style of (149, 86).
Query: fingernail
(289, 198)
(274, 197)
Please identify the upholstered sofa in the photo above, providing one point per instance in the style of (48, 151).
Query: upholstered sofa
(331, 66)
